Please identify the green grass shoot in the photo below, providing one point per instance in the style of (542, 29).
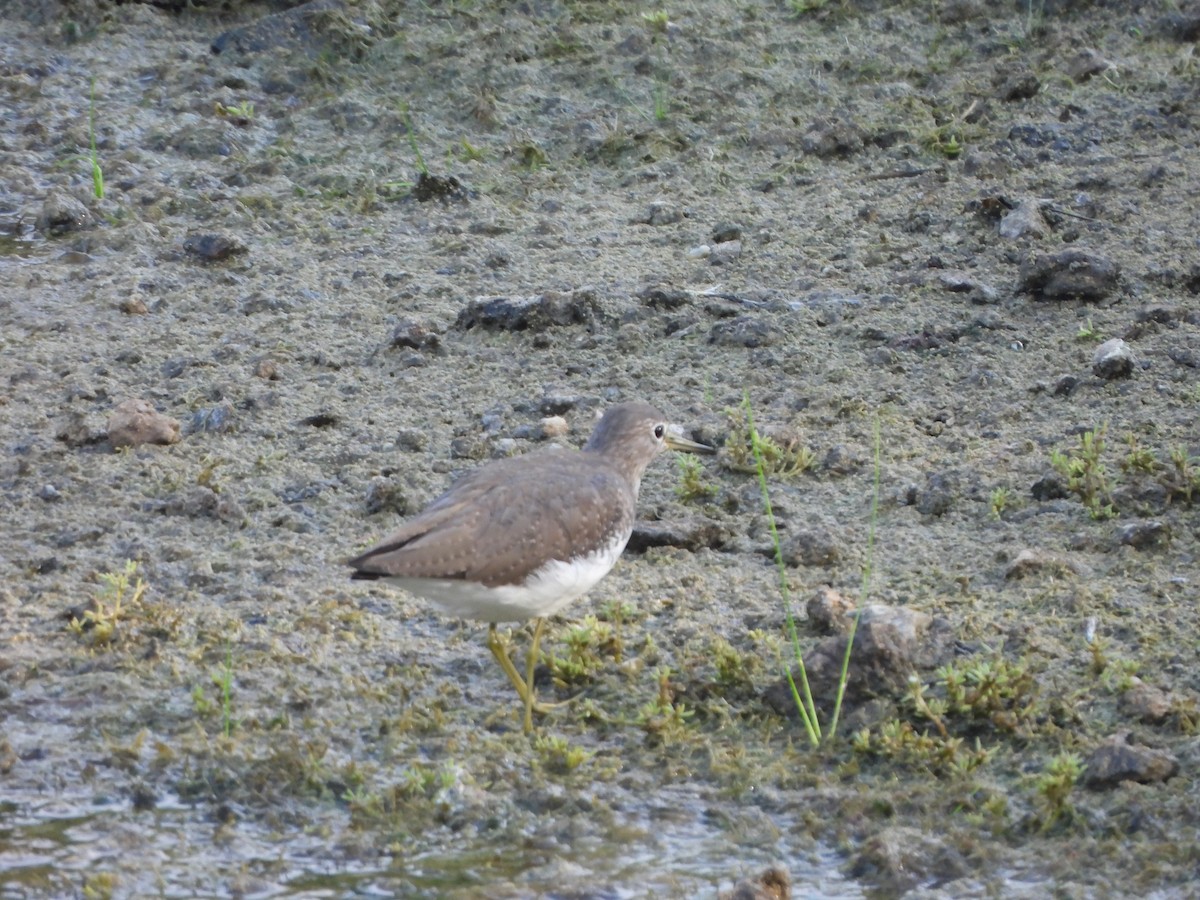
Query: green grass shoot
(802, 692)
(97, 173)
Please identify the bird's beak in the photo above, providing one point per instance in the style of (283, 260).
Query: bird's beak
(676, 441)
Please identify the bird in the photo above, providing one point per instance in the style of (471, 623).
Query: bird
(522, 537)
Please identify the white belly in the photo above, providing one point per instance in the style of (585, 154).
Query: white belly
(545, 592)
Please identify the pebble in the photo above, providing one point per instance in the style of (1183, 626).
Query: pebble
(1119, 759)
(1113, 359)
(1069, 275)
(539, 313)
(62, 213)
(136, 421)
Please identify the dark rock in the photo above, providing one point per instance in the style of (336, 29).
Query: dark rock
(1049, 487)
(548, 310)
(446, 188)
(1118, 759)
(468, 447)
(62, 213)
(827, 138)
(298, 27)
(659, 212)
(213, 247)
(663, 297)
(744, 331)
(1113, 359)
(1146, 535)
(1146, 703)
(890, 643)
(1071, 274)
(218, 419)
(689, 534)
(899, 858)
(412, 440)
(388, 495)
(414, 335)
(1064, 386)
(810, 548)
(938, 495)
(1020, 84)
(1086, 63)
(726, 232)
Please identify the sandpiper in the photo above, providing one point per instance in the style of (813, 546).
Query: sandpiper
(521, 538)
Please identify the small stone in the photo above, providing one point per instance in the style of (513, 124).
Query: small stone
(772, 884)
(388, 495)
(829, 611)
(661, 296)
(659, 212)
(266, 368)
(548, 310)
(1144, 535)
(811, 548)
(412, 440)
(62, 213)
(827, 138)
(1118, 759)
(1049, 487)
(1146, 703)
(554, 427)
(726, 253)
(1086, 63)
(1026, 219)
(1113, 359)
(218, 419)
(49, 493)
(135, 421)
(468, 447)
(743, 331)
(134, 306)
(726, 232)
(213, 247)
(1069, 275)
(1033, 562)
(415, 336)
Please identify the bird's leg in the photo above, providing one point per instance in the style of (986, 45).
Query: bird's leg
(530, 664)
(524, 686)
(499, 648)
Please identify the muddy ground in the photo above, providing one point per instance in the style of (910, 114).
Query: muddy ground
(924, 219)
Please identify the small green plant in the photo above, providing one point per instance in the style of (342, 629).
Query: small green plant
(1054, 786)
(663, 719)
(467, 152)
(1139, 458)
(240, 113)
(1182, 478)
(411, 131)
(1087, 332)
(589, 645)
(97, 173)
(1085, 473)
(558, 755)
(746, 449)
(1000, 498)
(657, 21)
(692, 485)
(119, 593)
(937, 753)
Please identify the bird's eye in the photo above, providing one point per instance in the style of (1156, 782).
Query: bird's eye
(659, 431)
